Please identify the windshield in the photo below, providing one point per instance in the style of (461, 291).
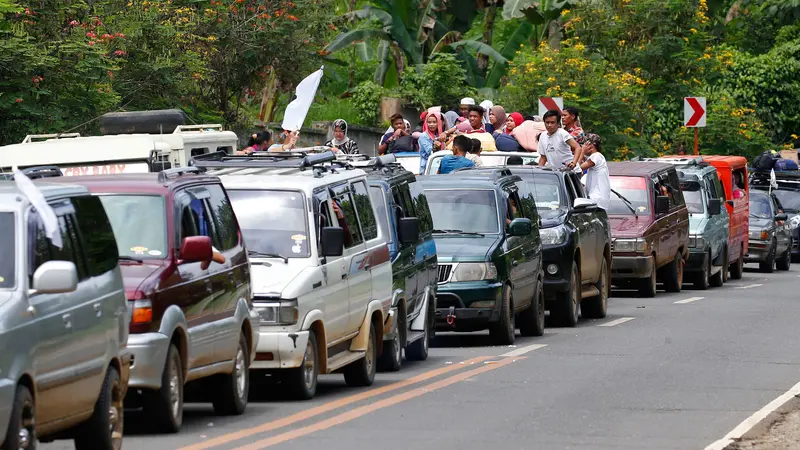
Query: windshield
(790, 200)
(139, 224)
(694, 201)
(469, 210)
(546, 189)
(760, 207)
(634, 189)
(272, 222)
(7, 247)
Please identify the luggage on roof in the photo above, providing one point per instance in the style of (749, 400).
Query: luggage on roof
(145, 122)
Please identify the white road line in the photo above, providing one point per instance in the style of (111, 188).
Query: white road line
(523, 350)
(749, 286)
(753, 420)
(616, 322)
(688, 300)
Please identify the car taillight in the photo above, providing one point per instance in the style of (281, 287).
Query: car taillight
(142, 312)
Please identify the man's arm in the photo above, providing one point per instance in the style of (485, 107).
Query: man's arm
(576, 150)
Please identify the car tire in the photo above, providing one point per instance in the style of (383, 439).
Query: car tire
(718, 279)
(302, 381)
(503, 332)
(566, 311)
(702, 280)
(597, 307)
(673, 275)
(230, 396)
(737, 268)
(647, 286)
(165, 405)
(418, 350)
(785, 261)
(768, 266)
(391, 358)
(362, 372)
(21, 432)
(531, 321)
(103, 431)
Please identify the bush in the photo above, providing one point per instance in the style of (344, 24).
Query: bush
(440, 82)
(366, 100)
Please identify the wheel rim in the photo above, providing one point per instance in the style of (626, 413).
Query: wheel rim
(370, 356)
(174, 389)
(240, 373)
(308, 365)
(115, 415)
(26, 426)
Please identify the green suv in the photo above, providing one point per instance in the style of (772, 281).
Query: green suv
(490, 254)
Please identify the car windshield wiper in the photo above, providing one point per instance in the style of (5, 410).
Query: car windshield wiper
(627, 202)
(472, 233)
(256, 254)
(130, 259)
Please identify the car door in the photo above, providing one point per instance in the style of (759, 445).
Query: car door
(195, 293)
(717, 228)
(514, 248)
(377, 264)
(57, 355)
(591, 248)
(426, 250)
(529, 265)
(783, 233)
(334, 293)
(412, 267)
(666, 223)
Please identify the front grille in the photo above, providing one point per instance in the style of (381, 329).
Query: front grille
(444, 272)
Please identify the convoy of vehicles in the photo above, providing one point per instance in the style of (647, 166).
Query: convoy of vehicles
(184, 280)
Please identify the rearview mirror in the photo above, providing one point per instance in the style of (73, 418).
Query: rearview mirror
(408, 230)
(714, 206)
(584, 204)
(332, 240)
(782, 217)
(196, 249)
(520, 227)
(662, 204)
(55, 277)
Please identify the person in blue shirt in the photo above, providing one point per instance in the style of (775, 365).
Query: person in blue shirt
(461, 145)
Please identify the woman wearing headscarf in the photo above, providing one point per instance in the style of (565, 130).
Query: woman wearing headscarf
(513, 121)
(258, 142)
(341, 142)
(451, 119)
(487, 106)
(428, 141)
(497, 119)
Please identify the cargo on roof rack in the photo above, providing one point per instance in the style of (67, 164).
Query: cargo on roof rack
(36, 172)
(142, 122)
(44, 137)
(275, 160)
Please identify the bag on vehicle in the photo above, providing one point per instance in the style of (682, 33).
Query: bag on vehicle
(764, 161)
(785, 164)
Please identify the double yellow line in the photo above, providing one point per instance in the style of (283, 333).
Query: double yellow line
(355, 413)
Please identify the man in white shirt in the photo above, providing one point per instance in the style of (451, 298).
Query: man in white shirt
(598, 184)
(557, 148)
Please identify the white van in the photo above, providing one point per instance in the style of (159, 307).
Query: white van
(320, 267)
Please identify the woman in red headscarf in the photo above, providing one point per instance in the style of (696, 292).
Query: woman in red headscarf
(513, 121)
(429, 141)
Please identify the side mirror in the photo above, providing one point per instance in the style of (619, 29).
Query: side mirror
(782, 217)
(408, 230)
(662, 204)
(55, 277)
(520, 227)
(584, 205)
(714, 206)
(196, 249)
(332, 239)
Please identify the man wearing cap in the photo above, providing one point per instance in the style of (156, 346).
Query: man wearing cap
(465, 104)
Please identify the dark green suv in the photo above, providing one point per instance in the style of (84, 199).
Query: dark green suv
(490, 254)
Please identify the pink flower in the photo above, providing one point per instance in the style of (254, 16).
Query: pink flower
(73, 23)
(19, 100)
(91, 43)
(119, 53)
(91, 35)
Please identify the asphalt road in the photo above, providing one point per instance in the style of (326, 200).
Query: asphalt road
(655, 374)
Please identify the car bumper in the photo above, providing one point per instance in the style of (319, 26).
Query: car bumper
(455, 300)
(631, 267)
(757, 251)
(149, 354)
(7, 392)
(280, 350)
(560, 258)
(698, 261)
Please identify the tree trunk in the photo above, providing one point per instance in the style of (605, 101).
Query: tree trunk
(269, 97)
(488, 32)
(351, 81)
(399, 60)
(554, 34)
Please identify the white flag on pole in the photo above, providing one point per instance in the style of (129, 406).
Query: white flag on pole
(773, 180)
(46, 213)
(297, 110)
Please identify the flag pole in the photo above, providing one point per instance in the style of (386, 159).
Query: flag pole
(696, 141)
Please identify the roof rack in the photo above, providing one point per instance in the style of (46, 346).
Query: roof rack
(267, 160)
(36, 172)
(204, 127)
(43, 137)
(165, 175)
(496, 172)
(686, 161)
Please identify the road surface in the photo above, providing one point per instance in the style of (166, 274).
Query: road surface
(678, 371)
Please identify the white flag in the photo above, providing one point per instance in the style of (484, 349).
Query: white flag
(298, 109)
(773, 181)
(46, 213)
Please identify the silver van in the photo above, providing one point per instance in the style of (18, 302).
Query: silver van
(63, 323)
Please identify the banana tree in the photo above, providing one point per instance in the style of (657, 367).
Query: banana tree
(544, 15)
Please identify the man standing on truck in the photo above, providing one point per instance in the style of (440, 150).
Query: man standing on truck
(557, 148)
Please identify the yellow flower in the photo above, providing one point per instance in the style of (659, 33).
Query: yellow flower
(564, 12)
(571, 84)
(551, 79)
(621, 42)
(580, 47)
(212, 38)
(693, 30)
(795, 137)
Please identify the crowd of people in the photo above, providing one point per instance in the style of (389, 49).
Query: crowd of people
(558, 137)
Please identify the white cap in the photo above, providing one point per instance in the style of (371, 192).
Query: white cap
(467, 101)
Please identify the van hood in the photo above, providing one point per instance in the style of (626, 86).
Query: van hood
(697, 223)
(455, 248)
(757, 223)
(271, 278)
(553, 217)
(628, 226)
(134, 275)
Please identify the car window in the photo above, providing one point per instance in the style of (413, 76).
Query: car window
(272, 221)
(421, 207)
(577, 185)
(675, 185)
(322, 215)
(8, 246)
(632, 189)
(468, 210)
(694, 198)
(225, 228)
(718, 187)
(381, 210)
(99, 244)
(195, 216)
(42, 250)
(139, 223)
(789, 200)
(761, 207)
(710, 186)
(366, 215)
(346, 215)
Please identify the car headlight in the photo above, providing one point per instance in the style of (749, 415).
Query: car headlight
(474, 272)
(638, 245)
(696, 241)
(283, 312)
(794, 222)
(759, 234)
(553, 236)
